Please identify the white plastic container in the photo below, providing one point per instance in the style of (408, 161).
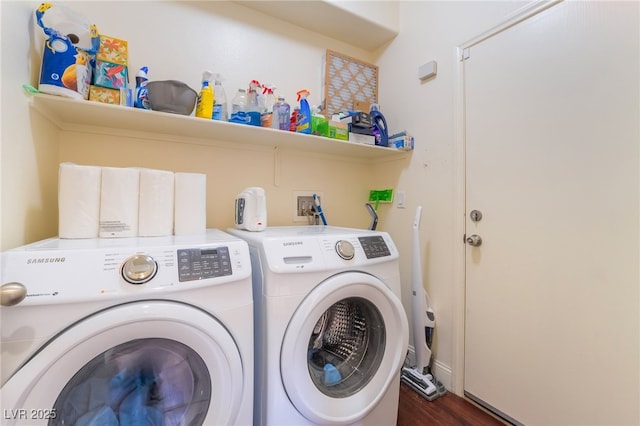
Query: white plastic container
(239, 102)
(220, 100)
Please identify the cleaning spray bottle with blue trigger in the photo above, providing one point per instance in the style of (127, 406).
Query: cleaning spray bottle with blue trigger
(380, 131)
(303, 119)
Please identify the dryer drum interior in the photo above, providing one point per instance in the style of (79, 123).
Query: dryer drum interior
(346, 347)
(144, 381)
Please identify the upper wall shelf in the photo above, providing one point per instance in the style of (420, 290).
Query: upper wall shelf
(328, 18)
(76, 115)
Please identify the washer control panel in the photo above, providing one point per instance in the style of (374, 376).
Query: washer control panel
(374, 246)
(198, 264)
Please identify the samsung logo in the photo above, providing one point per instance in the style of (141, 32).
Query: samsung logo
(292, 243)
(46, 260)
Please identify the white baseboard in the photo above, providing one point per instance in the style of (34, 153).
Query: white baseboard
(441, 371)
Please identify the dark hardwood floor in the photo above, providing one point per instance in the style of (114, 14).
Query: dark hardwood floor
(449, 409)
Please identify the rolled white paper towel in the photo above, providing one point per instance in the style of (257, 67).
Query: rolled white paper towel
(155, 214)
(119, 202)
(190, 215)
(78, 200)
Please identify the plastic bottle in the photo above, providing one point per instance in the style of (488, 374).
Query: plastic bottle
(253, 107)
(239, 102)
(281, 114)
(303, 119)
(142, 99)
(220, 100)
(204, 106)
(239, 108)
(380, 130)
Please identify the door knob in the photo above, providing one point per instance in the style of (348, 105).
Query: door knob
(474, 240)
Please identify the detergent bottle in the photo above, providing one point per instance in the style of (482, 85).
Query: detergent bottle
(303, 118)
(204, 106)
(281, 114)
(380, 129)
(220, 100)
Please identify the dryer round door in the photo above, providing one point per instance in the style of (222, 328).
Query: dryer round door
(343, 348)
(152, 362)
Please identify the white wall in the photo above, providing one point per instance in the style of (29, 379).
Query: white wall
(243, 45)
(430, 30)
(29, 152)
(178, 40)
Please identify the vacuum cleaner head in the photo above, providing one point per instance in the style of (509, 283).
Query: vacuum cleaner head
(425, 384)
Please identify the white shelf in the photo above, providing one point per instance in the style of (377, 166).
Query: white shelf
(327, 18)
(78, 115)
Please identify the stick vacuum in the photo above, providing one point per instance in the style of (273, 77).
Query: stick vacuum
(421, 377)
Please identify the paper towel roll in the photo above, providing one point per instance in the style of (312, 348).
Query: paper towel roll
(190, 215)
(119, 202)
(155, 215)
(78, 200)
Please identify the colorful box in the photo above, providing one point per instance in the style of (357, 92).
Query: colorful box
(319, 125)
(104, 95)
(113, 50)
(338, 130)
(110, 75)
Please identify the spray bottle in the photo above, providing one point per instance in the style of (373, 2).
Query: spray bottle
(220, 100)
(266, 119)
(204, 106)
(141, 99)
(303, 118)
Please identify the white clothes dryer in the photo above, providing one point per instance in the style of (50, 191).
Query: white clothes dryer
(154, 330)
(331, 332)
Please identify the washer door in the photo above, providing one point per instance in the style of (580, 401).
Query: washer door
(151, 362)
(343, 347)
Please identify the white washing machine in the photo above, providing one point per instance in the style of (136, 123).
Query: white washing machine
(331, 332)
(128, 331)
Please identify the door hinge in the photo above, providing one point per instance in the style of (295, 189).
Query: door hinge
(466, 54)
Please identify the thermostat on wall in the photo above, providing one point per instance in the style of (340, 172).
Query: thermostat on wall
(427, 70)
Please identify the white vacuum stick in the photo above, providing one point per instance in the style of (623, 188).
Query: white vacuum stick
(420, 377)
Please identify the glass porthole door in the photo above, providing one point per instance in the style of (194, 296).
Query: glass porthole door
(343, 347)
(153, 363)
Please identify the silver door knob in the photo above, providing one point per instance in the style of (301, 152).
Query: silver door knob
(474, 240)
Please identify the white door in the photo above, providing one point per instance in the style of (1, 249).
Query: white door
(552, 163)
(343, 349)
(149, 362)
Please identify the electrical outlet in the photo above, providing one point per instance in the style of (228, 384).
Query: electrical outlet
(304, 206)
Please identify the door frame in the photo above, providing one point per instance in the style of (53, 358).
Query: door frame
(459, 184)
